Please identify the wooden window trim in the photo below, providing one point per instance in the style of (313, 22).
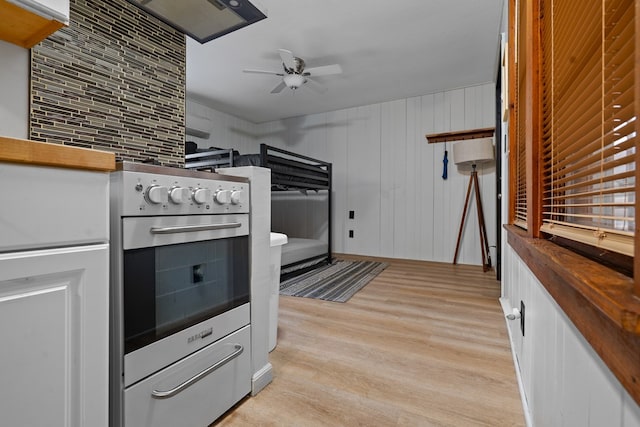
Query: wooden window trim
(636, 258)
(533, 120)
(598, 300)
(511, 81)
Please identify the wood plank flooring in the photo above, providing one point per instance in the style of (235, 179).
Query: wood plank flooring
(423, 344)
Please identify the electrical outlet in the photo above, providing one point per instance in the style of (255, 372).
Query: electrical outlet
(522, 317)
(351, 234)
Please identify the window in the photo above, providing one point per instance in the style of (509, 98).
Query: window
(575, 96)
(588, 122)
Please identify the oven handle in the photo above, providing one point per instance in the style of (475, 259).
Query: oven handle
(158, 394)
(188, 228)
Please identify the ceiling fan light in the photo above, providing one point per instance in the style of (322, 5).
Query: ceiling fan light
(293, 81)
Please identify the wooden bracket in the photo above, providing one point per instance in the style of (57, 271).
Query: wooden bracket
(459, 135)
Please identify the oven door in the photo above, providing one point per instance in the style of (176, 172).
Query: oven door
(179, 271)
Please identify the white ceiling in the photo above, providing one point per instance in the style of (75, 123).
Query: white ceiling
(388, 49)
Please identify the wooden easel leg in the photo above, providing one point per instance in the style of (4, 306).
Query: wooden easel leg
(464, 214)
(484, 242)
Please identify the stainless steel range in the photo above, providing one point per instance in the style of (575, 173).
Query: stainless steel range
(180, 322)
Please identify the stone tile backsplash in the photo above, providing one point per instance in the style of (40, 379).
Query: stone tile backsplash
(113, 80)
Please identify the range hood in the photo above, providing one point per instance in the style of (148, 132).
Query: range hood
(203, 20)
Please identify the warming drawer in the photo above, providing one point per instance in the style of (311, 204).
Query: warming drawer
(167, 399)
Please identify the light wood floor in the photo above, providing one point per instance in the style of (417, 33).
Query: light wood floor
(423, 344)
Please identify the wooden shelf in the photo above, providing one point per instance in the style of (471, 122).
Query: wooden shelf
(460, 135)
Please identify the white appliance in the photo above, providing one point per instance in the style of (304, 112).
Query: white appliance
(180, 295)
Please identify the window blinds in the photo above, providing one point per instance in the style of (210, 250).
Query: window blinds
(588, 134)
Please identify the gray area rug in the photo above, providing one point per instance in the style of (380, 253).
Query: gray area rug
(336, 282)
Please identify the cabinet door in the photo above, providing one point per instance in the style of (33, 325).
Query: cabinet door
(54, 333)
(27, 22)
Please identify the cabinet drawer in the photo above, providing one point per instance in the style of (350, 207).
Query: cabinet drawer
(46, 207)
(204, 400)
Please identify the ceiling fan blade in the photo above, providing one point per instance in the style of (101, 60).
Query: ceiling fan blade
(287, 58)
(324, 70)
(279, 88)
(314, 86)
(262, 72)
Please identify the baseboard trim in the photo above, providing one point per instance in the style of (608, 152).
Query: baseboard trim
(507, 309)
(261, 379)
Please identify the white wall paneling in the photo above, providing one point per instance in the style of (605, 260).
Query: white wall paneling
(14, 87)
(392, 149)
(409, 246)
(427, 177)
(337, 135)
(444, 229)
(385, 171)
(363, 179)
(565, 381)
(455, 187)
(225, 131)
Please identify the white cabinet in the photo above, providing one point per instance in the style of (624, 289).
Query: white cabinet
(54, 296)
(27, 22)
(54, 328)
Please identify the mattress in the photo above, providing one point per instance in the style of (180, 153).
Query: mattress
(297, 249)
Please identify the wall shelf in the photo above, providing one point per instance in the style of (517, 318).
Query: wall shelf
(460, 135)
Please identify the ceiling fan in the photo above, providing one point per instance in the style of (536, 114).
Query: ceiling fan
(295, 75)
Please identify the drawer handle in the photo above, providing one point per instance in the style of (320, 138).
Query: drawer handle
(159, 394)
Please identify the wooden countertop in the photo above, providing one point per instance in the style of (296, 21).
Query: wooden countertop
(15, 150)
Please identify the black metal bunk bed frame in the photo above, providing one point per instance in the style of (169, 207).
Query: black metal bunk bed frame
(209, 159)
(289, 171)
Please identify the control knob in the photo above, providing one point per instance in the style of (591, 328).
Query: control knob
(236, 197)
(179, 195)
(157, 194)
(201, 195)
(223, 197)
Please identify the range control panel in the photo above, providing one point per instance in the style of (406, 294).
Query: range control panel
(146, 194)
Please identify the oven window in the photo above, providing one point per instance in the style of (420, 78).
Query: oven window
(169, 288)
